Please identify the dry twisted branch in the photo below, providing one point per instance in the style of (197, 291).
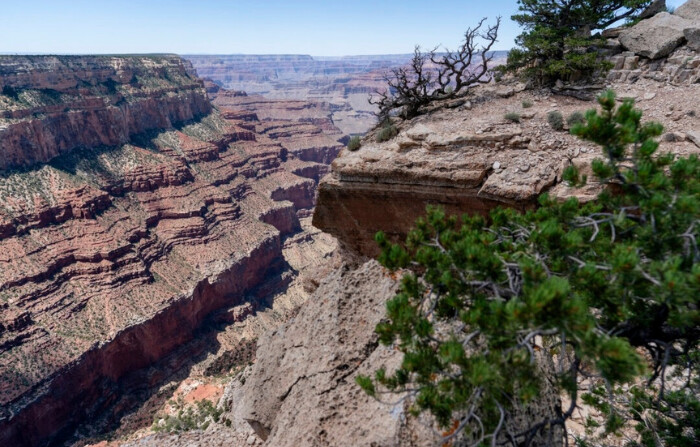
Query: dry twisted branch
(450, 76)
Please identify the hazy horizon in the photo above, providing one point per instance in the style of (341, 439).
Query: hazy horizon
(217, 27)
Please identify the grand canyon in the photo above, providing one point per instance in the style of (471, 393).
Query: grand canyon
(190, 235)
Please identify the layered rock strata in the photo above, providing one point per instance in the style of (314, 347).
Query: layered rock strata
(137, 212)
(465, 156)
(52, 104)
(463, 160)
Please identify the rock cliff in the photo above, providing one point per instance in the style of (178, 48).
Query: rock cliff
(115, 255)
(130, 211)
(469, 157)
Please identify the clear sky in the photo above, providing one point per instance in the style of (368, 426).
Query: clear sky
(316, 27)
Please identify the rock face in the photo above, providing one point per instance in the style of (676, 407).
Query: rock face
(52, 104)
(114, 252)
(657, 36)
(471, 159)
(682, 67)
(308, 368)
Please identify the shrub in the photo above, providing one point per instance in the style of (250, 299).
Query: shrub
(189, 417)
(387, 132)
(10, 91)
(527, 104)
(354, 143)
(512, 117)
(610, 289)
(575, 118)
(555, 120)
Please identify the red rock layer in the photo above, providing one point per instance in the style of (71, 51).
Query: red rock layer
(112, 256)
(52, 104)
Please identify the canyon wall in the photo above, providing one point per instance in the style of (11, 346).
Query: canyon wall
(130, 210)
(52, 104)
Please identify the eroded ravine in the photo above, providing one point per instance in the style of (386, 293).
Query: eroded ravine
(126, 223)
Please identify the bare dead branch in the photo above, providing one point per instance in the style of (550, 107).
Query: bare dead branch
(433, 77)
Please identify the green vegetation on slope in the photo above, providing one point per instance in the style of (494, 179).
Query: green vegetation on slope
(609, 290)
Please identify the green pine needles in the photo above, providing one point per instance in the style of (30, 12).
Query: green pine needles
(557, 42)
(597, 302)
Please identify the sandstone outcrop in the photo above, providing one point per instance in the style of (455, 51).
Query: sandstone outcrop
(675, 36)
(660, 33)
(309, 365)
(139, 211)
(464, 160)
(471, 159)
(307, 369)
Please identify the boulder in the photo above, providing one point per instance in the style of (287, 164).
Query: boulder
(692, 35)
(656, 37)
(694, 136)
(656, 7)
(613, 33)
(689, 10)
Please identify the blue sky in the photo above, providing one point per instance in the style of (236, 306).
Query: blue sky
(316, 27)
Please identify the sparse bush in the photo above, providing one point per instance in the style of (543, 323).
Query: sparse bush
(387, 132)
(188, 418)
(354, 143)
(555, 120)
(512, 117)
(575, 118)
(527, 104)
(610, 289)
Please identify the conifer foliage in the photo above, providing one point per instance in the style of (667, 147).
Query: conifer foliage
(608, 290)
(557, 43)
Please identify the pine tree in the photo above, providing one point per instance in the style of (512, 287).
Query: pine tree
(557, 42)
(608, 289)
